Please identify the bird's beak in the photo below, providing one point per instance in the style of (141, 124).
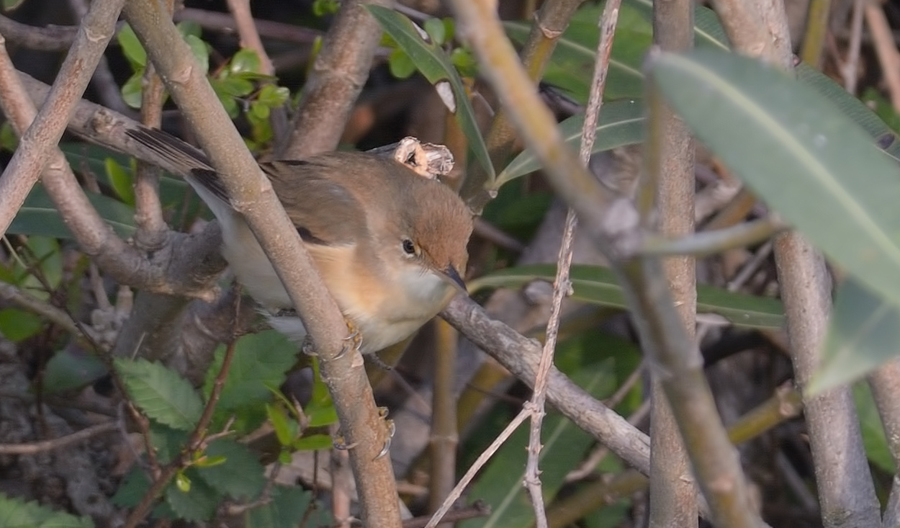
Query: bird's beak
(453, 277)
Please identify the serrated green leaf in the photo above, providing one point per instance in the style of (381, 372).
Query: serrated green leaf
(121, 179)
(18, 325)
(133, 488)
(435, 65)
(38, 216)
(240, 477)
(167, 442)
(69, 370)
(16, 513)
(287, 509)
(260, 361)
(621, 123)
(798, 152)
(598, 285)
(197, 504)
(161, 393)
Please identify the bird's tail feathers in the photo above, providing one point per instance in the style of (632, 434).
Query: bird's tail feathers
(182, 159)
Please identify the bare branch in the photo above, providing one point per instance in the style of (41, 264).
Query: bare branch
(338, 75)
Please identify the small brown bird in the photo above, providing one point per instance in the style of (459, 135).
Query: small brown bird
(389, 244)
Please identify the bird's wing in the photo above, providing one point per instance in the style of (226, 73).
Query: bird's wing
(316, 205)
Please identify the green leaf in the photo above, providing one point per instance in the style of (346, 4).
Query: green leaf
(400, 65)
(621, 123)
(708, 31)
(167, 442)
(161, 393)
(874, 440)
(435, 65)
(133, 89)
(325, 7)
(285, 428)
(320, 410)
(436, 30)
(233, 86)
(198, 503)
(132, 48)
(798, 152)
(598, 285)
(864, 332)
(200, 50)
(315, 442)
(182, 482)
(260, 361)
(121, 179)
(572, 64)
(187, 27)
(245, 60)
(18, 325)
(133, 488)
(259, 111)
(8, 139)
(853, 108)
(287, 509)
(240, 477)
(464, 61)
(16, 513)
(38, 216)
(273, 96)
(69, 369)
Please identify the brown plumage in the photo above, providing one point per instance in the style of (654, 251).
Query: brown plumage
(389, 244)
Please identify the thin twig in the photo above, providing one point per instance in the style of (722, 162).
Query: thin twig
(886, 49)
(38, 142)
(196, 443)
(33, 448)
(482, 459)
(850, 67)
(561, 284)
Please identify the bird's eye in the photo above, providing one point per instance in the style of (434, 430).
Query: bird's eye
(408, 247)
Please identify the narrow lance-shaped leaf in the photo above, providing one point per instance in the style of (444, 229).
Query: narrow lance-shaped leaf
(797, 151)
(435, 65)
(621, 123)
(864, 333)
(598, 285)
